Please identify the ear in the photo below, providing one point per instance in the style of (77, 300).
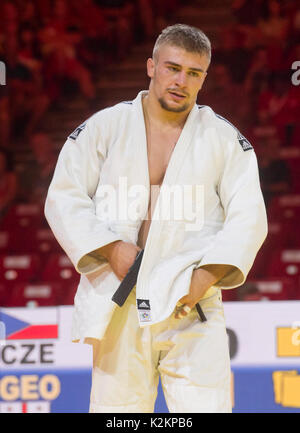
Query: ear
(150, 68)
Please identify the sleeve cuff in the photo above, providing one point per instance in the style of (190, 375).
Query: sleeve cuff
(236, 277)
(88, 263)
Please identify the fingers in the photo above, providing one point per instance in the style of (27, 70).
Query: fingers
(186, 308)
(123, 258)
(184, 300)
(182, 311)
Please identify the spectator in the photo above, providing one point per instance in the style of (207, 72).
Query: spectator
(120, 16)
(8, 181)
(28, 14)
(281, 104)
(44, 11)
(5, 121)
(35, 176)
(249, 292)
(232, 53)
(147, 17)
(30, 56)
(258, 74)
(274, 26)
(58, 45)
(26, 98)
(292, 55)
(224, 96)
(49, 44)
(261, 131)
(295, 27)
(97, 39)
(274, 173)
(246, 12)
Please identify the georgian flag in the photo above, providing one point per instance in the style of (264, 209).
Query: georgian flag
(28, 407)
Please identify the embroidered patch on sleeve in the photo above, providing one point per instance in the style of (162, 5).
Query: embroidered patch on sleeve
(77, 131)
(246, 145)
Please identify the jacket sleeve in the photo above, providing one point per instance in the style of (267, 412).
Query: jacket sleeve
(69, 206)
(245, 221)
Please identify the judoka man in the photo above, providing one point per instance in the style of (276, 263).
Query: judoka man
(166, 175)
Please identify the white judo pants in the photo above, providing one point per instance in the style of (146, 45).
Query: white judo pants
(191, 357)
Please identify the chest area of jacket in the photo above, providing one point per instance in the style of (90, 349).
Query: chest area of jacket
(130, 160)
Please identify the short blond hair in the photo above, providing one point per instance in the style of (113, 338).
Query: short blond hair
(184, 36)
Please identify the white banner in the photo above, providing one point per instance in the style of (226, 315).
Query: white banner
(40, 338)
(260, 333)
(263, 332)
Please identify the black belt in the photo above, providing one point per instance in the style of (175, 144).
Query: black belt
(128, 283)
(201, 314)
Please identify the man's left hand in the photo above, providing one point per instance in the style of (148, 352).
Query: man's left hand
(202, 279)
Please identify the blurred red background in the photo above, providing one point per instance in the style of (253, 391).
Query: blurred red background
(67, 59)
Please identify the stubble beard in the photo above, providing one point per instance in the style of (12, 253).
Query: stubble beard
(167, 107)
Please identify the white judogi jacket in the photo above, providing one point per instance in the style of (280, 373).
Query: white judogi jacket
(100, 193)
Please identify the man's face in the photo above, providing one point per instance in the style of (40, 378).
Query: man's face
(176, 77)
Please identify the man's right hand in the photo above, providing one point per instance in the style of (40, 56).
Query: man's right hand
(120, 255)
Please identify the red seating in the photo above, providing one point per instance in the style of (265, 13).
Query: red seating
(285, 263)
(285, 207)
(4, 241)
(18, 268)
(297, 290)
(294, 236)
(229, 295)
(60, 268)
(23, 216)
(283, 216)
(67, 294)
(45, 242)
(3, 295)
(18, 240)
(296, 136)
(37, 240)
(291, 155)
(253, 297)
(278, 234)
(33, 295)
(23, 280)
(277, 238)
(30, 240)
(276, 289)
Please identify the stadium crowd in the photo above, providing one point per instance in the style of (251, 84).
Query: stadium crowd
(46, 44)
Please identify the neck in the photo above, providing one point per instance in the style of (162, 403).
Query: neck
(160, 116)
